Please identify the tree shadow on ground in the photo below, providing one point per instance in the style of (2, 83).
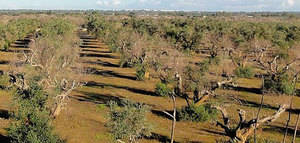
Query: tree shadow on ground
(108, 73)
(96, 51)
(275, 128)
(89, 42)
(19, 51)
(23, 41)
(268, 106)
(102, 85)
(20, 46)
(90, 46)
(160, 138)
(96, 98)
(246, 89)
(103, 63)
(4, 62)
(97, 55)
(214, 132)
(4, 139)
(87, 37)
(4, 114)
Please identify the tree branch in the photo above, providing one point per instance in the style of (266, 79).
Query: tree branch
(275, 116)
(224, 115)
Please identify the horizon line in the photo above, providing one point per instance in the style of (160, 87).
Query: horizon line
(157, 10)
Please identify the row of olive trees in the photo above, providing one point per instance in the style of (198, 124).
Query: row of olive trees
(16, 29)
(44, 81)
(163, 45)
(211, 36)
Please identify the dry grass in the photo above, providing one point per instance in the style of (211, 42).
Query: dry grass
(83, 120)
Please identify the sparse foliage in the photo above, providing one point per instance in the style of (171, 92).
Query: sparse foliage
(128, 122)
(162, 89)
(31, 118)
(194, 113)
(244, 72)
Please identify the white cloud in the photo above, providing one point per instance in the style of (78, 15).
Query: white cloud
(108, 2)
(116, 2)
(99, 2)
(291, 2)
(288, 3)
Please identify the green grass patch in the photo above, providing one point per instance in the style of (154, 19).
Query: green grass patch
(100, 107)
(105, 136)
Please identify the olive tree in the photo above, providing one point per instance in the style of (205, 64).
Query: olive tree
(128, 122)
(31, 120)
(241, 132)
(52, 62)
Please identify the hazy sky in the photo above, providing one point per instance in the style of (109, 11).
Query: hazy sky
(198, 5)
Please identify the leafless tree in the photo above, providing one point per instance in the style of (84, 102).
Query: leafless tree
(272, 64)
(210, 91)
(172, 116)
(55, 63)
(290, 107)
(245, 128)
(259, 110)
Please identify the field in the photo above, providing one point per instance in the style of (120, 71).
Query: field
(85, 114)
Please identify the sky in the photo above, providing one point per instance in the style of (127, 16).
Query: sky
(186, 5)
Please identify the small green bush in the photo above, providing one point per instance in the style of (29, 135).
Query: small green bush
(128, 122)
(281, 84)
(162, 89)
(100, 107)
(4, 81)
(283, 54)
(32, 120)
(194, 113)
(124, 62)
(244, 72)
(140, 72)
(6, 46)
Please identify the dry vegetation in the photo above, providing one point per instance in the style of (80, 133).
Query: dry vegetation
(93, 78)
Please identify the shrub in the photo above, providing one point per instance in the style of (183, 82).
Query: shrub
(6, 46)
(194, 113)
(4, 81)
(97, 25)
(14, 30)
(283, 54)
(244, 72)
(279, 84)
(140, 72)
(162, 89)
(100, 107)
(31, 118)
(128, 122)
(123, 61)
(194, 78)
(57, 27)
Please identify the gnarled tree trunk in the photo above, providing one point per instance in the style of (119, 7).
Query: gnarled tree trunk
(245, 128)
